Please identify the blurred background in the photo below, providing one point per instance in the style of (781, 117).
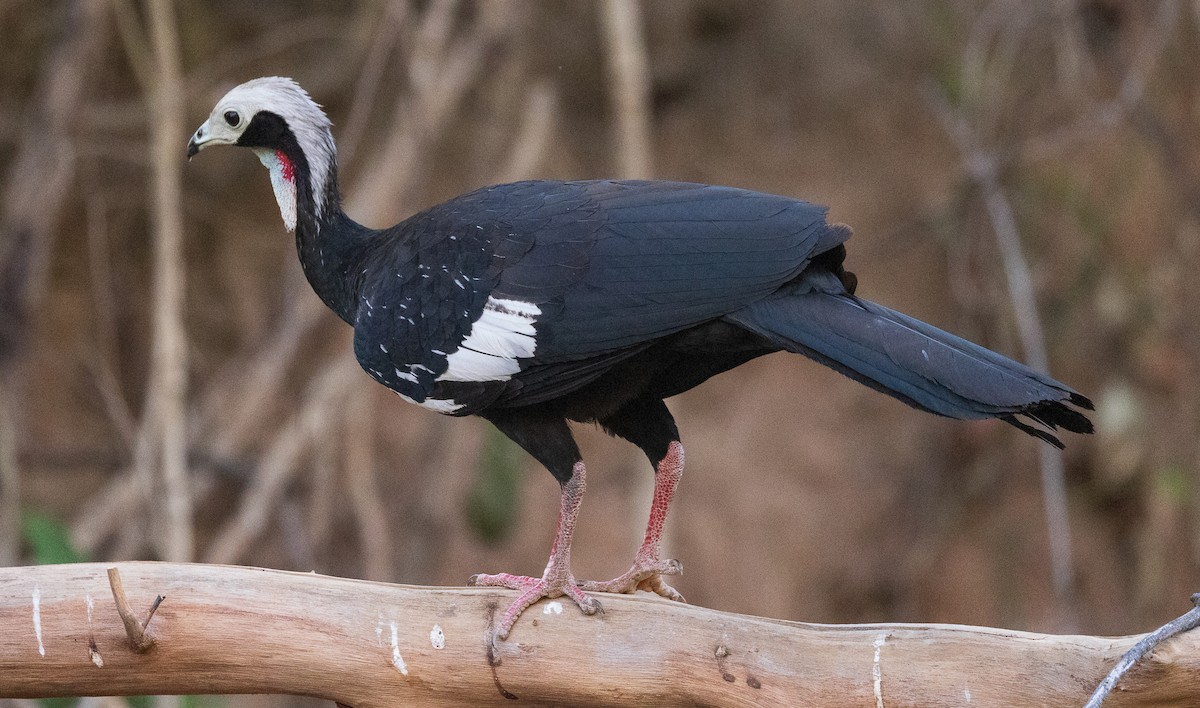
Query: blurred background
(1024, 174)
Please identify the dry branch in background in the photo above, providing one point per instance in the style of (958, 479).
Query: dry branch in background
(281, 461)
(36, 187)
(166, 406)
(160, 444)
(244, 630)
(968, 127)
(980, 166)
(375, 538)
(537, 125)
(629, 72)
(1109, 114)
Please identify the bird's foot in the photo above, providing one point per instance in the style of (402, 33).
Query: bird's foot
(646, 574)
(552, 584)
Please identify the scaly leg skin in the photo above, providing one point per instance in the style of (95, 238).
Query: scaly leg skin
(557, 580)
(648, 568)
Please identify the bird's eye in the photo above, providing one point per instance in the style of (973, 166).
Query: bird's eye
(232, 118)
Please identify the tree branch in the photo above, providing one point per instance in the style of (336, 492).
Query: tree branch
(244, 630)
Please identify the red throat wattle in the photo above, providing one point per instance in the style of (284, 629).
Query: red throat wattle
(286, 166)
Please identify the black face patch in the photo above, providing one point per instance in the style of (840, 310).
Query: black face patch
(269, 130)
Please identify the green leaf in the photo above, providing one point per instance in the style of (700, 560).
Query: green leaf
(1175, 483)
(492, 503)
(48, 539)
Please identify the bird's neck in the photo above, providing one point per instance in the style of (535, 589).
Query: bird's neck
(331, 251)
(330, 244)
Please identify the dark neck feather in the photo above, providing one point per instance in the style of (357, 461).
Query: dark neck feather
(330, 246)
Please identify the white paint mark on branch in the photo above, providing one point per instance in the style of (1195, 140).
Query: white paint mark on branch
(967, 694)
(93, 650)
(37, 618)
(397, 660)
(437, 637)
(877, 670)
(552, 607)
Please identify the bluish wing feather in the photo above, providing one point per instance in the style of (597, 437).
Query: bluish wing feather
(637, 261)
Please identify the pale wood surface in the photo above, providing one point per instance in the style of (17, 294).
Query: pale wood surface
(228, 629)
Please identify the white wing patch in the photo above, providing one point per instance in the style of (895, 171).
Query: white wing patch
(499, 339)
(501, 336)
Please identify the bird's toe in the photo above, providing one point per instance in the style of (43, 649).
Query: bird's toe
(646, 574)
(571, 588)
(658, 586)
(503, 580)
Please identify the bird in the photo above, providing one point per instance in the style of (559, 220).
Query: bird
(539, 304)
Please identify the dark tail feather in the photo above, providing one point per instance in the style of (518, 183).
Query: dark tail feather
(915, 362)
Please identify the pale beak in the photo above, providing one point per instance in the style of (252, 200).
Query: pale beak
(204, 136)
(198, 139)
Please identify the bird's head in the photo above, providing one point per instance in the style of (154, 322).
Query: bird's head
(287, 130)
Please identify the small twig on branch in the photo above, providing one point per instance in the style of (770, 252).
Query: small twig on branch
(1185, 622)
(140, 636)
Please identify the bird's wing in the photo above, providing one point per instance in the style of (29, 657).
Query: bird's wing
(555, 281)
(636, 261)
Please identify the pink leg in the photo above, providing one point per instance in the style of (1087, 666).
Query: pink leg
(557, 580)
(648, 568)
